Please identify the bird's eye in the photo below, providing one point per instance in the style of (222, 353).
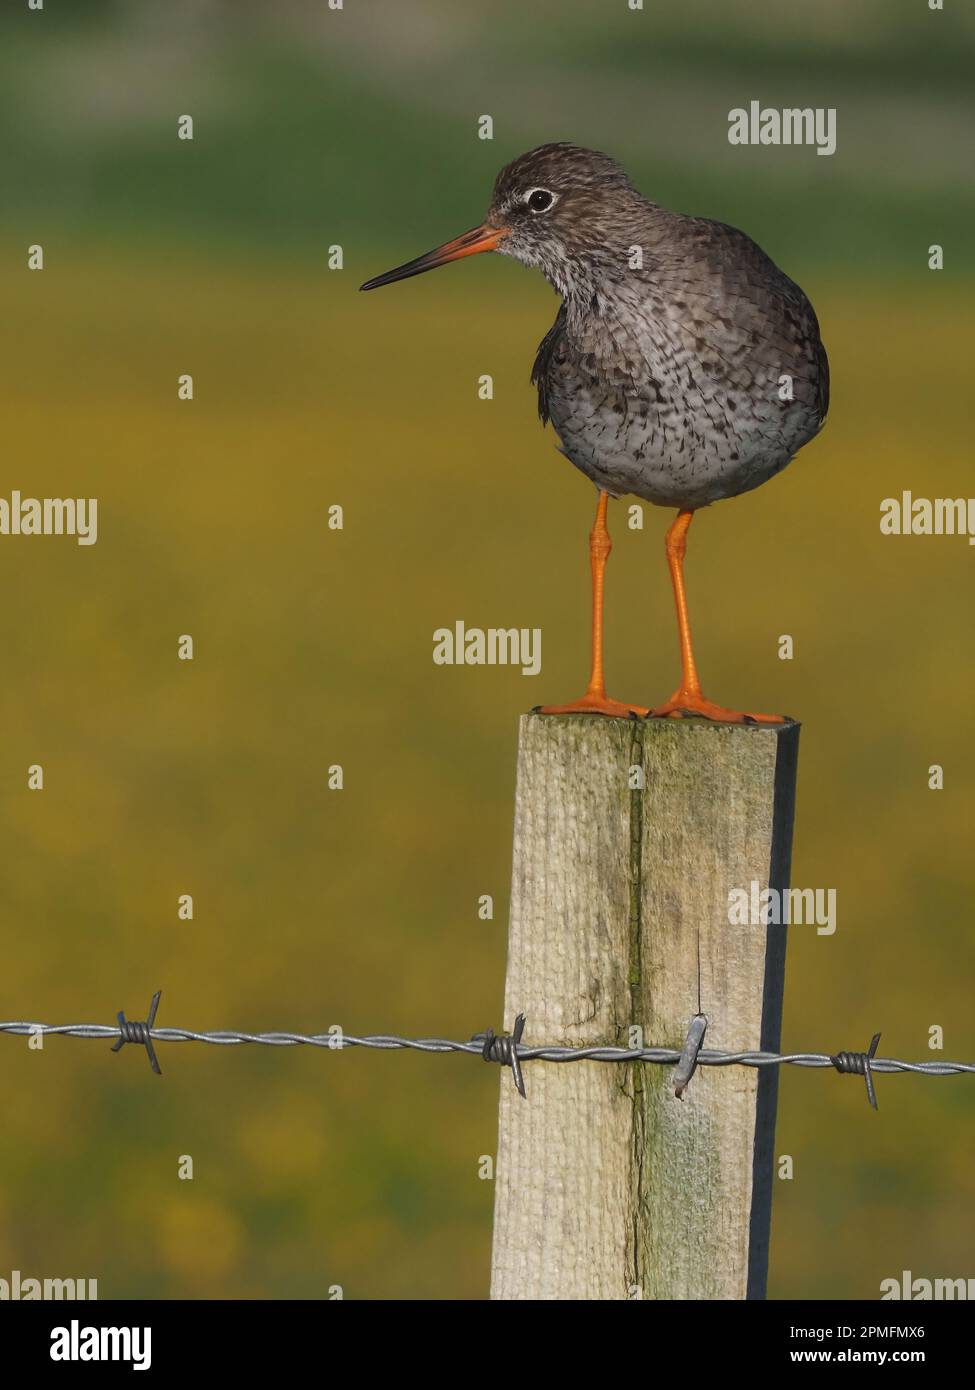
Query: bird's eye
(539, 199)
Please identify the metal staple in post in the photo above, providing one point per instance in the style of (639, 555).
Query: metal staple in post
(687, 1064)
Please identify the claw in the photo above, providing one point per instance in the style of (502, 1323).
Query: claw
(691, 703)
(597, 704)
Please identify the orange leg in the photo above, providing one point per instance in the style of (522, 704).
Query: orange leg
(688, 699)
(595, 700)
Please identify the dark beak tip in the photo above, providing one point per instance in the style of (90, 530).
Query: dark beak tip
(378, 281)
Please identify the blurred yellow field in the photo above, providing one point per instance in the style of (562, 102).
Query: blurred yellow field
(314, 647)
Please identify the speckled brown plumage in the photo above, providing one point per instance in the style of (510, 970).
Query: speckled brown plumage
(670, 380)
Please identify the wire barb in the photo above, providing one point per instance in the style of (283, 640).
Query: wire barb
(504, 1049)
(858, 1064)
(130, 1032)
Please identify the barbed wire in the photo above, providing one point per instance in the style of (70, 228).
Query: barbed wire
(507, 1050)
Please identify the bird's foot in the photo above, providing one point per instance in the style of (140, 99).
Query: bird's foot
(596, 704)
(690, 703)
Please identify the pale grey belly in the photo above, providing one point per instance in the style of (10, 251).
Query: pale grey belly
(679, 455)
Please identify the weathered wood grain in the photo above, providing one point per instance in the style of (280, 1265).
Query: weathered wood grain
(629, 836)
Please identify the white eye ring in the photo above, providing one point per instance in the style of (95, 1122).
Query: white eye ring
(552, 197)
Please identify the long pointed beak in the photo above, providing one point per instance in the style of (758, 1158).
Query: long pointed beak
(483, 238)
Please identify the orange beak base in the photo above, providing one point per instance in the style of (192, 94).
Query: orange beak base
(483, 238)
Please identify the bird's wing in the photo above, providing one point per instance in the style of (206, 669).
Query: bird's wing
(544, 358)
(823, 383)
(762, 295)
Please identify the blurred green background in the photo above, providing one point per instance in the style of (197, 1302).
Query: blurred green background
(313, 907)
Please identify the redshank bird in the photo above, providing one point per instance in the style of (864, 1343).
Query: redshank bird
(683, 367)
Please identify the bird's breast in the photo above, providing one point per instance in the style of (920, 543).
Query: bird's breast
(661, 400)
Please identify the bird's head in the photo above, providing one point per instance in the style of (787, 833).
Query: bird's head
(558, 207)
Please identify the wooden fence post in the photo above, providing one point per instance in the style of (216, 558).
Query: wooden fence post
(629, 837)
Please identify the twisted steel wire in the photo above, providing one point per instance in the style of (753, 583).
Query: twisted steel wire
(389, 1042)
